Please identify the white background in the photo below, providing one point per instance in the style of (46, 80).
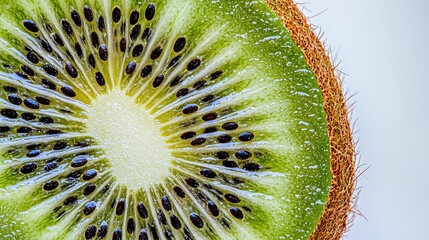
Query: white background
(383, 46)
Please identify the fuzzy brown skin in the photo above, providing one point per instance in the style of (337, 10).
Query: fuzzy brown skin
(333, 223)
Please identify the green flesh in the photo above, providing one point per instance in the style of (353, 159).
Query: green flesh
(265, 87)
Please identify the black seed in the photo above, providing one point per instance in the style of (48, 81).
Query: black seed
(57, 39)
(190, 108)
(94, 39)
(116, 14)
(208, 173)
(67, 27)
(123, 45)
(102, 52)
(150, 12)
(188, 135)
(174, 61)
(21, 74)
(225, 222)
(46, 120)
(142, 210)
(192, 182)
(117, 234)
(214, 210)
(196, 220)
(161, 217)
(102, 231)
(14, 99)
(176, 81)
(208, 98)
(154, 232)
(28, 168)
(230, 126)
(199, 84)
(32, 57)
(182, 92)
(179, 44)
(175, 222)
(229, 163)
(68, 91)
(90, 174)
(166, 203)
(146, 34)
(60, 145)
(30, 26)
(27, 70)
(51, 185)
(91, 61)
(90, 232)
(9, 89)
(210, 130)
(30, 103)
(28, 116)
(232, 198)
(50, 70)
(70, 200)
(50, 166)
(251, 166)
(78, 50)
(4, 129)
(120, 207)
(43, 100)
(143, 235)
(236, 212)
(130, 68)
(209, 116)
(243, 154)
(158, 80)
(246, 136)
(224, 139)
(134, 17)
(135, 32)
(89, 189)
(23, 130)
(99, 78)
(101, 23)
(33, 153)
(51, 132)
(76, 18)
(46, 46)
(88, 13)
(188, 236)
(146, 71)
(198, 141)
(89, 208)
(138, 50)
(49, 84)
(215, 75)
(71, 70)
(156, 53)
(131, 226)
(9, 113)
(194, 64)
(179, 192)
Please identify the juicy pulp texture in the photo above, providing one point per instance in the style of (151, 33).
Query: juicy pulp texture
(238, 113)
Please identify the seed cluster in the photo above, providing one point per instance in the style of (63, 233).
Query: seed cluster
(75, 167)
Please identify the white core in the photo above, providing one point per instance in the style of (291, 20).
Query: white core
(131, 140)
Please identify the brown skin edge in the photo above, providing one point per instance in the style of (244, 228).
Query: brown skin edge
(340, 204)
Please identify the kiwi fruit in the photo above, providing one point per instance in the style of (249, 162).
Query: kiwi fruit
(164, 119)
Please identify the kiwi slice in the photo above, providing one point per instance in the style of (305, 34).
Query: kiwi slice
(158, 120)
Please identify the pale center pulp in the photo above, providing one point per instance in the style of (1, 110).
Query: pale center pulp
(131, 140)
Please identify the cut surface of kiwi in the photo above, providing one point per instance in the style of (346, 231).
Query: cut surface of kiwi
(157, 120)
